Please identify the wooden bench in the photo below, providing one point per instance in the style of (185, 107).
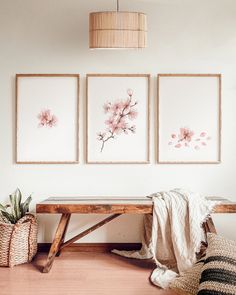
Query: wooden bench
(114, 206)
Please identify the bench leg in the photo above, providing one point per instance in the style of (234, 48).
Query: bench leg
(208, 227)
(55, 247)
(63, 237)
(211, 226)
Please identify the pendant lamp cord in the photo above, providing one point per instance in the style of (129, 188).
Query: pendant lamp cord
(117, 5)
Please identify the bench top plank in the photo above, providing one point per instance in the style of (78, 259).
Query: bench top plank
(113, 205)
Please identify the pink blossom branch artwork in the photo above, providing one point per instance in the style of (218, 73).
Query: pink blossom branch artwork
(47, 119)
(187, 138)
(120, 115)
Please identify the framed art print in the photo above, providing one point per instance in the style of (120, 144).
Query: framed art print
(117, 118)
(189, 124)
(47, 118)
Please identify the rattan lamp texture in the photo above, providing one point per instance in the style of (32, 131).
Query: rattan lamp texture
(117, 29)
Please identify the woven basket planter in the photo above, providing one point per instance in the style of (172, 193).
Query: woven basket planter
(18, 242)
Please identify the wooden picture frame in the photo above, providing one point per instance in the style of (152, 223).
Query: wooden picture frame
(36, 95)
(195, 98)
(103, 89)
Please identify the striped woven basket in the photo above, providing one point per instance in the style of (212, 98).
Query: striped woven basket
(18, 242)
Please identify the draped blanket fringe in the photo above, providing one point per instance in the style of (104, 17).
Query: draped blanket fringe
(173, 233)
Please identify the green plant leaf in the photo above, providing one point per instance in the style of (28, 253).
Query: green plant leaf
(15, 199)
(25, 205)
(9, 217)
(18, 203)
(12, 201)
(2, 208)
(16, 207)
(3, 219)
(18, 195)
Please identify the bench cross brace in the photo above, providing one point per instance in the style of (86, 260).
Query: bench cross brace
(58, 243)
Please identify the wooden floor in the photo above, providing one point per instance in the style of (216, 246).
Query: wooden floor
(78, 274)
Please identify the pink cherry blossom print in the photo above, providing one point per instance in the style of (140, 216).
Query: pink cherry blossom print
(122, 123)
(185, 134)
(132, 114)
(187, 138)
(130, 92)
(178, 146)
(106, 107)
(117, 107)
(126, 104)
(47, 119)
(120, 113)
(116, 129)
(52, 121)
(110, 121)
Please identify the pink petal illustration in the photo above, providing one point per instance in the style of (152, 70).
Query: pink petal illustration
(126, 105)
(185, 134)
(110, 121)
(117, 107)
(188, 138)
(107, 107)
(132, 114)
(130, 92)
(178, 145)
(47, 119)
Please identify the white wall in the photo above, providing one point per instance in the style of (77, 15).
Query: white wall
(51, 36)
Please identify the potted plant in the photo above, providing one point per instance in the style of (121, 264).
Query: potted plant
(18, 231)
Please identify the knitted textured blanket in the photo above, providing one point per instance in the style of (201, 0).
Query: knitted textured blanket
(173, 233)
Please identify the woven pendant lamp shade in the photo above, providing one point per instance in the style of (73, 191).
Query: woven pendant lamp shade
(117, 29)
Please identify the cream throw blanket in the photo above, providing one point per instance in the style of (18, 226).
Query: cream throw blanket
(173, 233)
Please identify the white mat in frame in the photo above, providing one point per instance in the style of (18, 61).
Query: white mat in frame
(117, 118)
(189, 118)
(47, 112)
